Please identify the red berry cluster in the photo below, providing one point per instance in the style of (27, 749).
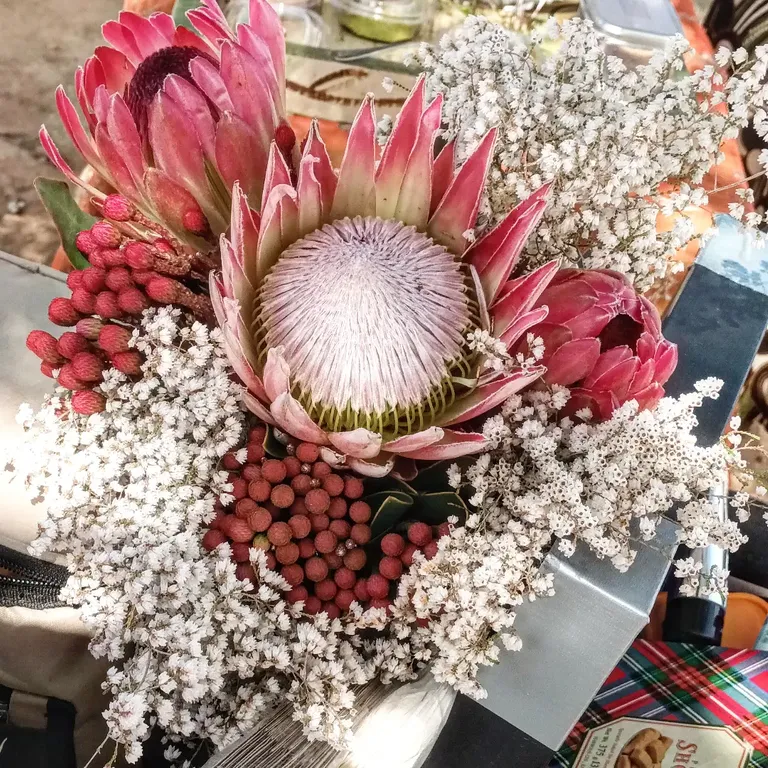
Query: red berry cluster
(398, 552)
(78, 358)
(309, 519)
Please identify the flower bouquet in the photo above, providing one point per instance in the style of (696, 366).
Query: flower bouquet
(314, 430)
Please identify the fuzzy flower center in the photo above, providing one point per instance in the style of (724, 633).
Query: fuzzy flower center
(372, 317)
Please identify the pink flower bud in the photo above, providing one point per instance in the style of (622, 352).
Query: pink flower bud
(118, 208)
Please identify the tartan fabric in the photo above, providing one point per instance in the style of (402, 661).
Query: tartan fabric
(683, 683)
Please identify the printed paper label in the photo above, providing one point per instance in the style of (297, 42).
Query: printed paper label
(633, 743)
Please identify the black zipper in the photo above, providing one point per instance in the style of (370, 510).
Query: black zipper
(32, 583)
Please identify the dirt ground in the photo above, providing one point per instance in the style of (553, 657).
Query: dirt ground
(42, 45)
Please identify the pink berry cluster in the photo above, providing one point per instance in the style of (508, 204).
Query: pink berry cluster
(309, 519)
(398, 551)
(313, 525)
(78, 359)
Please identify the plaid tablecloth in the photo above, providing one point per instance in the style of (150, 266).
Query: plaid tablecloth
(683, 683)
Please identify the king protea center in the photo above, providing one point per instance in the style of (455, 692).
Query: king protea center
(349, 303)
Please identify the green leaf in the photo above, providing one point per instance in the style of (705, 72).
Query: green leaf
(433, 479)
(436, 508)
(387, 483)
(388, 508)
(179, 12)
(67, 217)
(272, 446)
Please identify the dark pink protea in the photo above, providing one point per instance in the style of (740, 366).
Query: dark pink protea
(347, 306)
(173, 119)
(603, 341)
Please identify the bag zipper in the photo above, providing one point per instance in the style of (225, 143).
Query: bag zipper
(28, 581)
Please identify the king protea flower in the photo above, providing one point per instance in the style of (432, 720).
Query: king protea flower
(346, 306)
(603, 341)
(173, 119)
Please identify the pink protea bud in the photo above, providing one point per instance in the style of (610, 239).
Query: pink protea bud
(132, 301)
(47, 369)
(119, 279)
(85, 242)
(107, 306)
(142, 277)
(87, 366)
(194, 221)
(138, 255)
(113, 257)
(106, 235)
(118, 208)
(61, 312)
(42, 344)
(86, 403)
(163, 246)
(114, 339)
(164, 290)
(128, 363)
(71, 344)
(89, 327)
(97, 258)
(75, 279)
(83, 301)
(68, 380)
(94, 279)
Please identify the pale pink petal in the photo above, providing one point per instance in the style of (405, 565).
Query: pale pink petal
(358, 443)
(497, 271)
(240, 156)
(196, 108)
(210, 22)
(279, 228)
(310, 197)
(278, 173)
(257, 47)
(394, 158)
(356, 191)
(265, 20)
(125, 136)
(251, 99)
(484, 250)
(520, 296)
(380, 468)
(147, 37)
(515, 331)
(572, 361)
(483, 399)
(244, 234)
(329, 456)
(208, 79)
(442, 174)
(255, 406)
(163, 23)
(115, 71)
(120, 37)
(277, 374)
(322, 169)
(415, 441)
(413, 203)
(291, 417)
(111, 164)
(666, 361)
(74, 127)
(457, 211)
(452, 445)
(58, 160)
